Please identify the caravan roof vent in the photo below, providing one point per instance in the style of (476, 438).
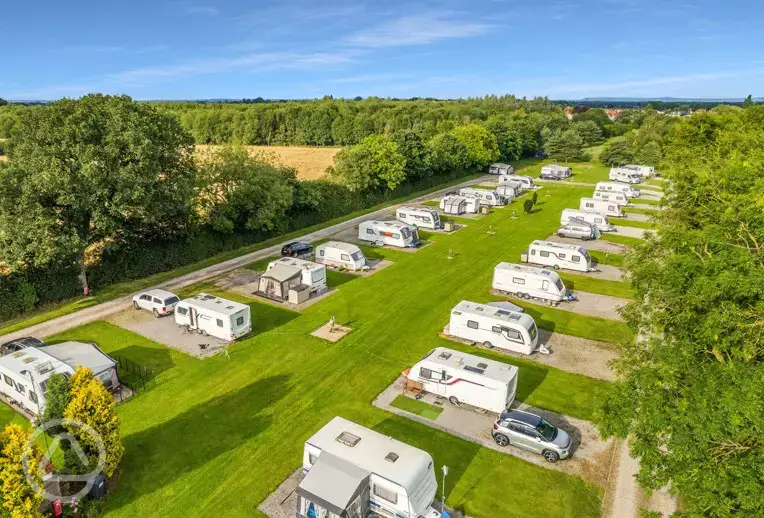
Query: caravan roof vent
(444, 355)
(348, 439)
(476, 370)
(482, 366)
(504, 312)
(514, 316)
(391, 457)
(207, 297)
(545, 272)
(44, 368)
(229, 307)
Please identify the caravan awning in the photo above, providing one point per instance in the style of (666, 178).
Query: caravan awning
(282, 273)
(78, 353)
(333, 483)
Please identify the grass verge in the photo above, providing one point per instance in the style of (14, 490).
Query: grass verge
(593, 285)
(624, 240)
(417, 407)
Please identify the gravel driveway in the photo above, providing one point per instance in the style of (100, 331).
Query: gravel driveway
(638, 217)
(637, 232)
(589, 304)
(590, 459)
(598, 244)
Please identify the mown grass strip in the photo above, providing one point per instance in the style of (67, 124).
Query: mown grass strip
(417, 407)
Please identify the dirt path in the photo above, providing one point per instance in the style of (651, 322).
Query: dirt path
(589, 304)
(637, 232)
(100, 311)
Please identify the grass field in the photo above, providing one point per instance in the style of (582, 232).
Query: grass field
(222, 433)
(624, 240)
(309, 162)
(8, 416)
(123, 288)
(583, 283)
(417, 407)
(643, 201)
(624, 222)
(583, 172)
(609, 259)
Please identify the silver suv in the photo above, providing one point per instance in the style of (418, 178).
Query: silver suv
(532, 433)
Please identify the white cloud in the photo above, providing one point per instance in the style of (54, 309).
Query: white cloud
(203, 10)
(419, 29)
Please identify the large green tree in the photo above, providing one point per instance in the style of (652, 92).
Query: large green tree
(238, 191)
(616, 152)
(446, 153)
(480, 144)
(89, 170)
(412, 147)
(690, 390)
(650, 154)
(562, 145)
(375, 163)
(589, 132)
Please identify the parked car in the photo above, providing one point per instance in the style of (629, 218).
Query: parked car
(579, 230)
(19, 344)
(551, 175)
(159, 302)
(532, 433)
(296, 249)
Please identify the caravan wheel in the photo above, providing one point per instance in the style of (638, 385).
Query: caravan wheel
(488, 345)
(556, 266)
(201, 331)
(527, 296)
(454, 401)
(379, 243)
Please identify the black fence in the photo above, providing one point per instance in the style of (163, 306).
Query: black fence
(135, 377)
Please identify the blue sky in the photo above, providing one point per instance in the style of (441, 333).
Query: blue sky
(441, 48)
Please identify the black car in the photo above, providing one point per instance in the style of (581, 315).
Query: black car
(19, 344)
(295, 249)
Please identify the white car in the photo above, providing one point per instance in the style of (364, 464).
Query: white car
(159, 302)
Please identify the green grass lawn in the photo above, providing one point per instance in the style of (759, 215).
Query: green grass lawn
(592, 285)
(222, 433)
(609, 259)
(624, 240)
(583, 172)
(417, 407)
(9, 416)
(114, 291)
(431, 203)
(636, 210)
(626, 222)
(643, 201)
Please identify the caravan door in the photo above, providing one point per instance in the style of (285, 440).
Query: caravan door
(193, 318)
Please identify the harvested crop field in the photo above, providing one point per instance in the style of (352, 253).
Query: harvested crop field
(309, 162)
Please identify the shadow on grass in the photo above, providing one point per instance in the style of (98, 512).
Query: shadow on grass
(534, 211)
(266, 317)
(157, 359)
(163, 453)
(335, 278)
(444, 448)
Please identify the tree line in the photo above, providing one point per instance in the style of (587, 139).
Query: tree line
(690, 393)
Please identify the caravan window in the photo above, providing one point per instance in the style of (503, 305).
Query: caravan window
(589, 205)
(219, 322)
(533, 251)
(182, 311)
(425, 373)
(543, 253)
(345, 257)
(312, 458)
(386, 494)
(240, 321)
(518, 280)
(611, 208)
(405, 233)
(20, 388)
(472, 324)
(401, 215)
(357, 256)
(561, 256)
(513, 335)
(370, 231)
(8, 379)
(395, 236)
(33, 397)
(559, 285)
(321, 252)
(575, 258)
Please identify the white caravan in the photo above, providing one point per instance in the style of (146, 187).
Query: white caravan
(484, 196)
(606, 207)
(507, 192)
(499, 168)
(561, 170)
(619, 174)
(341, 255)
(215, 316)
(623, 188)
(559, 255)
(494, 326)
(516, 185)
(459, 205)
(465, 378)
(593, 218)
(528, 282)
(526, 181)
(617, 197)
(419, 217)
(393, 233)
(645, 171)
(312, 274)
(352, 471)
